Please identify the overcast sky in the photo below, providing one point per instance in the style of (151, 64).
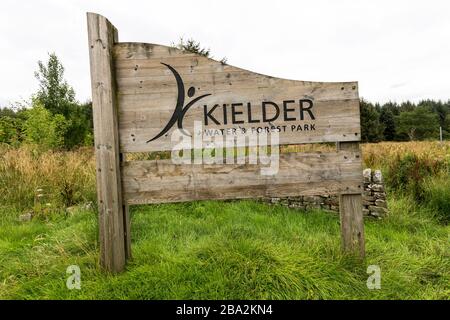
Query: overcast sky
(397, 50)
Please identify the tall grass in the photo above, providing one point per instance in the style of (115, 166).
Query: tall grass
(50, 179)
(417, 170)
(436, 196)
(380, 155)
(217, 250)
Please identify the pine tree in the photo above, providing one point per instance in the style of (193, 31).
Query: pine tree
(388, 122)
(371, 128)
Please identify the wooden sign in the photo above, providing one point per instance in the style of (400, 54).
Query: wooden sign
(143, 93)
(160, 88)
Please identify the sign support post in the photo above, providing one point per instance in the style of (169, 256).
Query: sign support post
(102, 36)
(350, 211)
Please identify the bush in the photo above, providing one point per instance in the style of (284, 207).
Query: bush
(10, 130)
(408, 173)
(44, 129)
(437, 196)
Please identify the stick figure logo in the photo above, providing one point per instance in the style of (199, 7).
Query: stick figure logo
(180, 110)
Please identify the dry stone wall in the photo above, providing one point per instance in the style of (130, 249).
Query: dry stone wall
(374, 198)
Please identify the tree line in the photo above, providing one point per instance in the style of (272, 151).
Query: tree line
(54, 119)
(404, 121)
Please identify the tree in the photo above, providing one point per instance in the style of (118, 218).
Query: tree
(58, 97)
(393, 107)
(371, 128)
(388, 122)
(407, 106)
(80, 126)
(44, 129)
(193, 46)
(419, 124)
(54, 92)
(446, 127)
(439, 108)
(10, 130)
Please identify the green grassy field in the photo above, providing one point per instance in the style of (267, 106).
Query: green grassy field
(223, 250)
(228, 250)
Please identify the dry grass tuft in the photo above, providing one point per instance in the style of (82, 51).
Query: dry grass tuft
(51, 179)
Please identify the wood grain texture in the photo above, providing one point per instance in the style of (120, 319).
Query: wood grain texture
(162, 181)
(350, 210)
(147, 96)
(102, 36)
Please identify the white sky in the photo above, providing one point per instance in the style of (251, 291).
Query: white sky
(396, 49)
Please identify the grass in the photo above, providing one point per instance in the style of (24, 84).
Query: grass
(228, 250)
(224, 250)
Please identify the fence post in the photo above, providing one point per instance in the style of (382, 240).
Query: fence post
(351, 216)
(102, 36)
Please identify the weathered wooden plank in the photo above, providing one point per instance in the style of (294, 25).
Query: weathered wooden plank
(102, 36)
(162, 181)
(335, 124)
(350, 209)
(152, 78)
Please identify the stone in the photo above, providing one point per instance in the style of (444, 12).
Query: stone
(373, 198)
(314, 206)
(313, 199)
(334, 201)
(377, 211)
(377, 187)
(368, 198)
(26, 217)
(381, 203)
(334, 208)
(377, 177)
(379, 195)
(367, 174)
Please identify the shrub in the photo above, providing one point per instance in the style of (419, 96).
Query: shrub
(408, 173)
(437, 196)
(10, 130)
(44, 129)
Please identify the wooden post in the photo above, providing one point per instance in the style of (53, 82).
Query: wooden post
(350, 210)
(102, 36)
